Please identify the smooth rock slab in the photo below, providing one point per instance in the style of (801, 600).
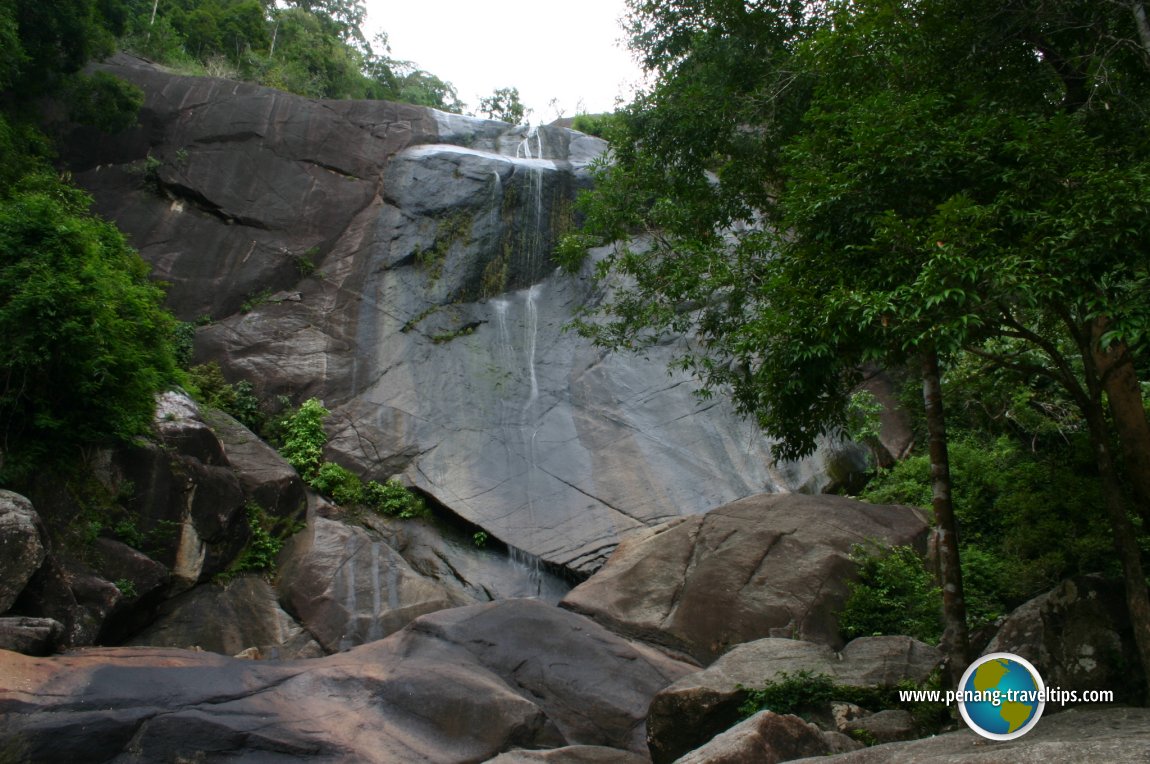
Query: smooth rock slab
(462, 685)
(773, 565)
(572, 754)
(1084, 735)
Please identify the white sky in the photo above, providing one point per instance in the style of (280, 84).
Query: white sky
(547, 48)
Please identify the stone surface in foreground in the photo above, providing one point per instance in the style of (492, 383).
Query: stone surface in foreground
(459, 685)
(1078, 736)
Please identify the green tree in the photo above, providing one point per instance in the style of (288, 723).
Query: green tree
(86, 341)
(505, 106)
(898, 183)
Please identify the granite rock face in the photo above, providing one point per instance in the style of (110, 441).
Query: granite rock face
(775, 565)
(460, 685)
(395, 262)
(1078, 636)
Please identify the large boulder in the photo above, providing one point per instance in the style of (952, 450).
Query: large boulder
(346, 586)
(395, 262)
(765, 738)
(461, 685)
(1079, 736)
(185, 494)
(229, 619)
(30, 636)
(265, 477)
(594, 686)
(1079, 637)
(571, 754)
(21, 546)
(773, 565)
(688, 713)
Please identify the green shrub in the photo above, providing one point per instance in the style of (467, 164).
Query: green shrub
(392, 498)
(804, 693)
(263, 547)
(304, 438)
(593, 124)
(1036, 516)
(86, 341)
(894, 595)
(184, 343)
(339, 484)
(207, 385)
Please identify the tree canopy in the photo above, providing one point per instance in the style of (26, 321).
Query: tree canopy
(808, 188)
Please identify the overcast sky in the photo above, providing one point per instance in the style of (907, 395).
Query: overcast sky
(546, 48)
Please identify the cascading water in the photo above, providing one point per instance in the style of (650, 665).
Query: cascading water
(520, 420)
(523, 150)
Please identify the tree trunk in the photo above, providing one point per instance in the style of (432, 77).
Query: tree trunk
(1125, 540)
(1143, 26)
(955, 639)
(1116, 370)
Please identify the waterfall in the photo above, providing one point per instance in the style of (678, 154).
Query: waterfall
(506, 352)
(350, 604)
(523, 150)
(531, 335)
(374, 629)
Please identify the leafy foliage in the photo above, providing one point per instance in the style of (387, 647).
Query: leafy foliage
(393, 498)
(593, 124)
(314, 49)
(804, 693)
(304, 438)
(207, 384)
(1027, 519)
(87, 343)
(263, 547)
(505, 106)
(894, 595)
(303, 441)
(338, 483)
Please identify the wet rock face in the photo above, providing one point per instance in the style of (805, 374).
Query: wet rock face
(396, 262)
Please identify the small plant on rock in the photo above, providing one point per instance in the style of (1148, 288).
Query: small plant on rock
(339, 484)
(304, 438)
(393, 498)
